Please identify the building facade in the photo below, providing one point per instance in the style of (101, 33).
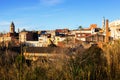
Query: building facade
(28, 36)
(114, 27)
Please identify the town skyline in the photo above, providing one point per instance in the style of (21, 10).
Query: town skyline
(53, 14)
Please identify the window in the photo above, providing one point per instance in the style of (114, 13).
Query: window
(83, 34)
(79, 35)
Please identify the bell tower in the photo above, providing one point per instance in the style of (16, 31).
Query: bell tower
(12, 28)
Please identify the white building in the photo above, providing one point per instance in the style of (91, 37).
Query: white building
(33, 43)
(43, 41)
(83, 33)
(115, 29)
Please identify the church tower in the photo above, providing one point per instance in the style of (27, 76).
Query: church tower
(12, 28)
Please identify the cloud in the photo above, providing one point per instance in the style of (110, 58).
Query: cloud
(50, 2)
(4, 23)
(27, 8)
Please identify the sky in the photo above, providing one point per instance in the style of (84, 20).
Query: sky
(56, 14)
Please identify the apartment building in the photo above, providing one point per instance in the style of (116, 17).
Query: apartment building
(83, 33)
(28, 36)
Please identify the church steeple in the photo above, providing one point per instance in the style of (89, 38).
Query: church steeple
(12, 28)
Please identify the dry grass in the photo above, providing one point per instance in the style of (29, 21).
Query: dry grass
(90, 64)
(112, 54)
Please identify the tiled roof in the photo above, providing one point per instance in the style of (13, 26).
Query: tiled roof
(44, 50)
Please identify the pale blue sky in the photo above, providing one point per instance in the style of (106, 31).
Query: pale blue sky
(55, 14)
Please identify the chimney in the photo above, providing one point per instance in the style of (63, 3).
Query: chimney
(107, 31)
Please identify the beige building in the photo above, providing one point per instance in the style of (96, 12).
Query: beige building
(43, 41)
(22, 36)
(4, 39)
(34, 53)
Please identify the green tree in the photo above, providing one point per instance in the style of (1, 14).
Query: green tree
(80, 27)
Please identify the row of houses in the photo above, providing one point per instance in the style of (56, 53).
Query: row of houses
(37, 42)
(57, 36)
(44, 38)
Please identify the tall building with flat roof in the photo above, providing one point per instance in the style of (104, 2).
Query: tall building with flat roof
(103, 23)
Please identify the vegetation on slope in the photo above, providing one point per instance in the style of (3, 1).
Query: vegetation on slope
(90, 64)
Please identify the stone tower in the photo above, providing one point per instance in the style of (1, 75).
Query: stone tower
(12, 28)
